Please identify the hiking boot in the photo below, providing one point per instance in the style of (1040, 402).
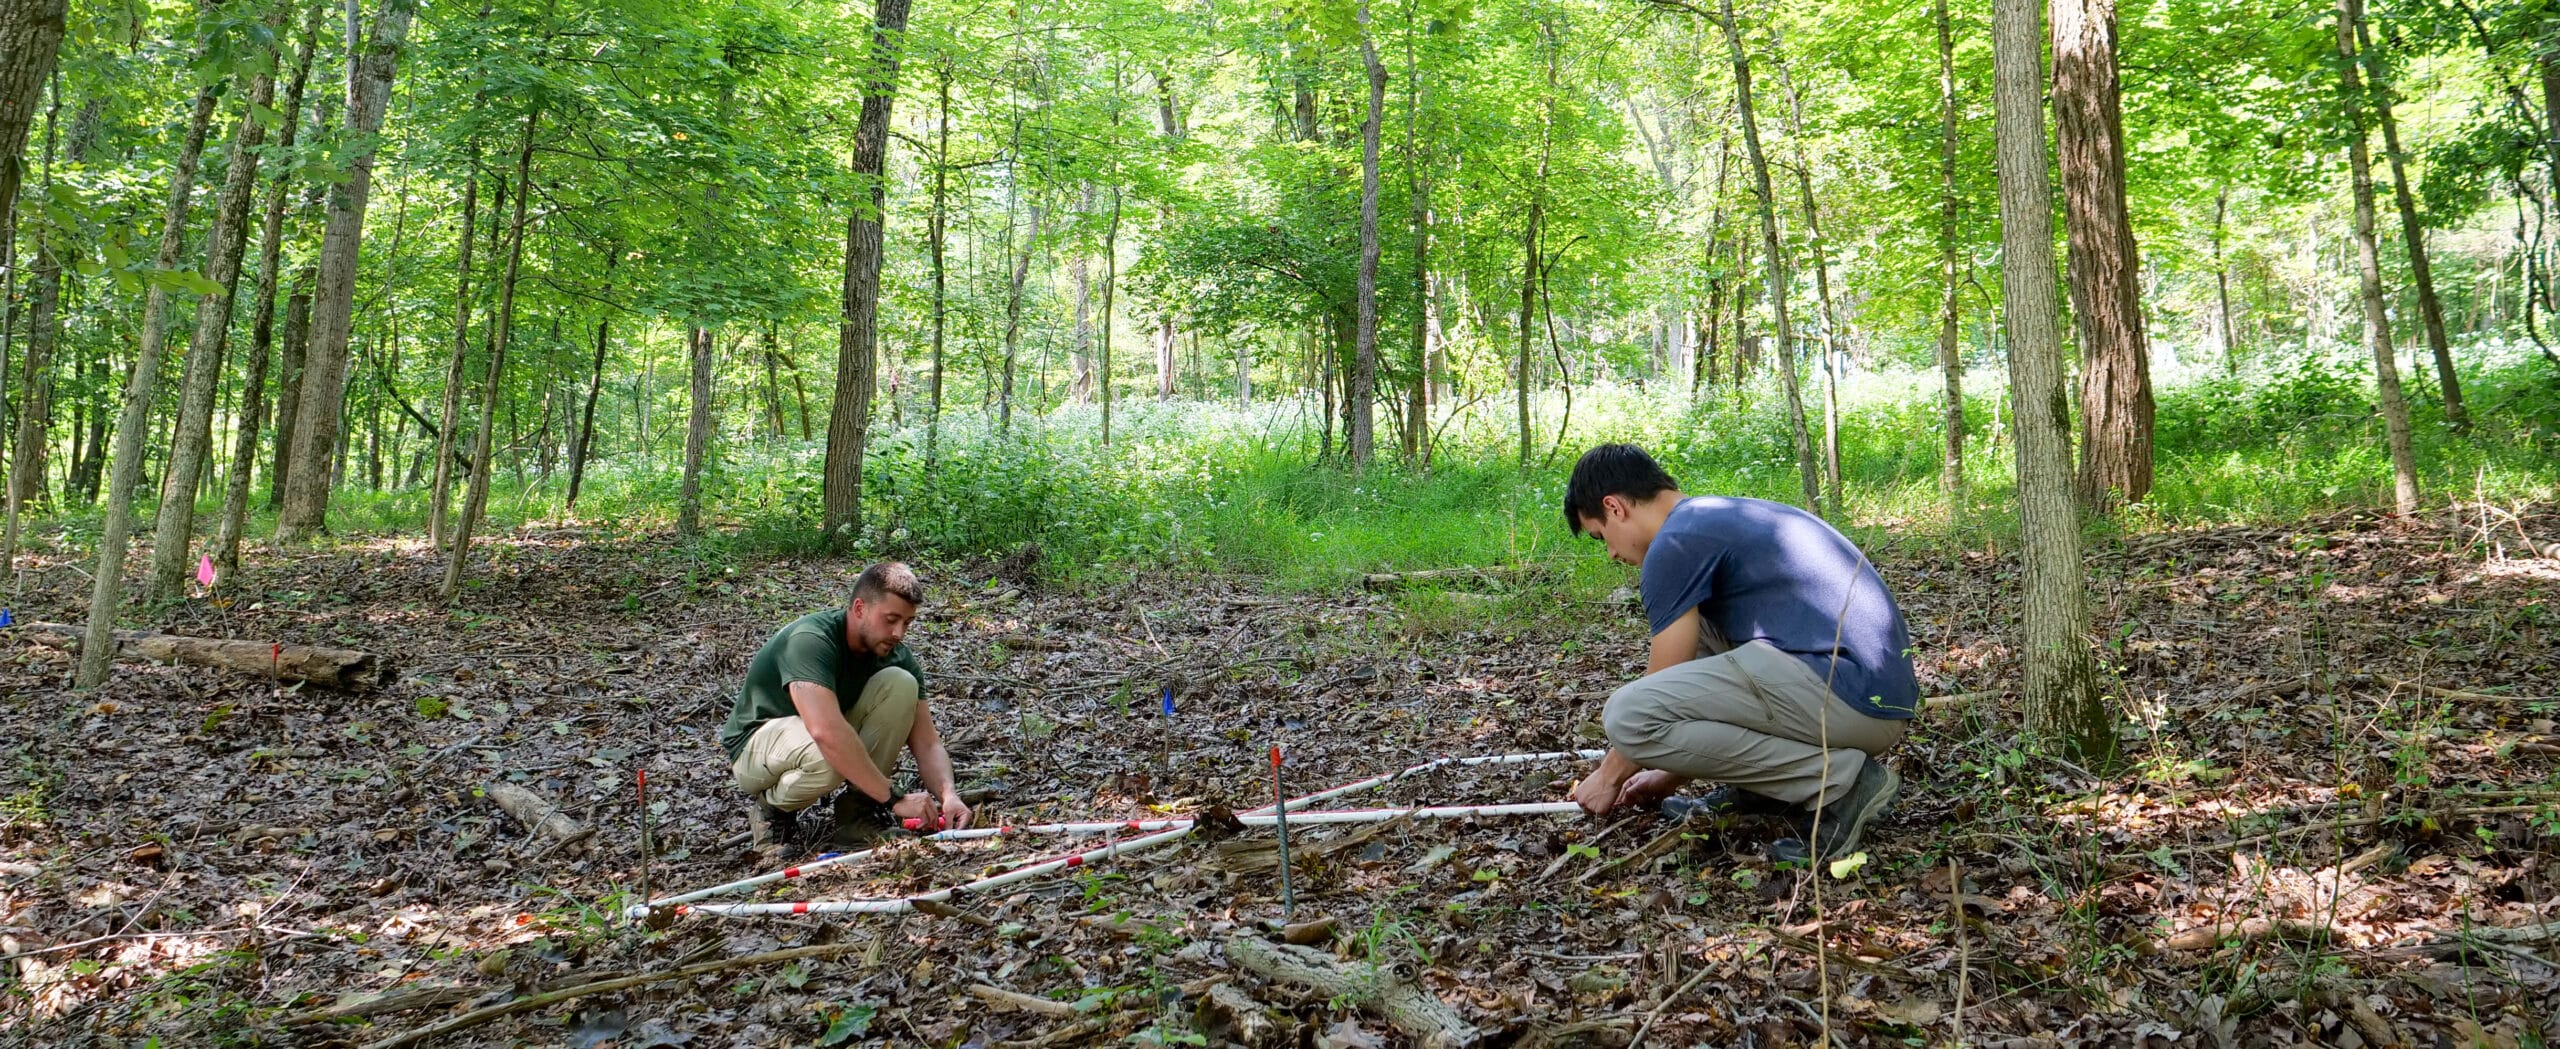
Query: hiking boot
(1845, 820)
(772, 828)
(860, 822)
(1724, 800)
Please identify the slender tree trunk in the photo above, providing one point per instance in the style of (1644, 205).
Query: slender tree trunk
(2061, 680)
(1773, 262)
(2414, 237)
(2222, 286)
(849, 421)
(201, 373)
(1359, 437)
(938, 229)
(2106, 287)
(44, 333)
(1529, 244)
(1110, 281)
(1950, 363)
(133, 421)
(1417, 426)
(476, 491)
(440, 501)
(701, 345)
(290, 348)
(585, 442)
(1831, 348)
(1013, 321)
(31, 37)
(306, 503)
(2377, 322)
(253, 388)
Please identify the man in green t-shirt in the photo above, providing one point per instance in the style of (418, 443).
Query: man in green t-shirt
(830, 701)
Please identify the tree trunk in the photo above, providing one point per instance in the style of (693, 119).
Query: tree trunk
(584, 444)
(290, 350)
(1529, 243)
(31, 35)
(1359, 437)
(938, 227)
(2377, 322)
(2061, 680)
(700, 345)
(1831, 349)
(1773, 263)
(1110, 281)
(44, 333)
(440, 501)
(2106, 289)
(849, 420)
(476, 490)
(1950, 364)
(2222, 285)
(1013, 321)
(201, 374)
(262, 316)
(324, 365)
(133, 420)
(2414, 236)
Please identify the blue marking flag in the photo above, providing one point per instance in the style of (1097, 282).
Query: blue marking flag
(4, 618)
(1168, 701)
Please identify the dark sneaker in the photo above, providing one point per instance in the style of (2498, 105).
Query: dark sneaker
(772, 828)
(1845, 820)
(858, 824)
(1724, 800)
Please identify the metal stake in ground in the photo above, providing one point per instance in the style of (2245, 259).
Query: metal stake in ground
(1280, 812)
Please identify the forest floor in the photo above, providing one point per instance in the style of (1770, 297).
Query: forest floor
(2337, 806)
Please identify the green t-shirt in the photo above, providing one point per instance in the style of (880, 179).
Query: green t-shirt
(810, 648)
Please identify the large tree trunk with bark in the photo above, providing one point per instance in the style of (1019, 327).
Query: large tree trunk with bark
(2377, 321)
(133, 420)
(201, 374)
(849, 421)
(2414, 237)
(262, 317)
(1773, 262)
(31, 38)
(1359, 438)
(440, 499)
(1950, 365)
(476, 490)
(2061, 678)
(2106, 290)
(324, 363)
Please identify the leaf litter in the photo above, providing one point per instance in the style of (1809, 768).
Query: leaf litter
(2334, 823)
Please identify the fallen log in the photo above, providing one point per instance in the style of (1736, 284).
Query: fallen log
(539, 815)
(1387, 992)
(342, 668)
(2249, 930)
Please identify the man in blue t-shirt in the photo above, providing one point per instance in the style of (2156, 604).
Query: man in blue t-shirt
(1780, 665)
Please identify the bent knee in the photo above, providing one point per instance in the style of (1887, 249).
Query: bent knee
(1630, 716)
(893, 683)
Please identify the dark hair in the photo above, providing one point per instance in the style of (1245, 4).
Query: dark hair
(888, 577)
(1611, 469)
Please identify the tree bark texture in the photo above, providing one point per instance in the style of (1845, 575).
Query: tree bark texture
(2061, 679)
(2413, 236)
(262, 318)
(324, 365)
(192, 445)
(701, 345)
(476, 491)
(849, 421)
(133, 420)
(1359, 438)
(1773, 262)
(2106, 289)
(31, 38)
(2377, 321)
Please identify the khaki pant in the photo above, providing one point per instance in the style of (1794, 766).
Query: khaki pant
(781, 762)
(1753, 717)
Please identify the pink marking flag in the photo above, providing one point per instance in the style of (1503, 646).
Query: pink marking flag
(204, 571)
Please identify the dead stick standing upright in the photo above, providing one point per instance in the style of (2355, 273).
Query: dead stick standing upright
(1280, 819)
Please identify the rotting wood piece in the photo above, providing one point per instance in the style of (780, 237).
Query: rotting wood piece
(538, 814)
(341, 668)
(1230, 1013)
(1387, 992)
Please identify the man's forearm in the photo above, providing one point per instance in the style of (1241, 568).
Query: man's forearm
(933, 768)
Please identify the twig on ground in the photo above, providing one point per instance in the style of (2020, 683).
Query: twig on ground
(529, 1003)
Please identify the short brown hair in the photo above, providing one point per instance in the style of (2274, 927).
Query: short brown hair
(888, 577)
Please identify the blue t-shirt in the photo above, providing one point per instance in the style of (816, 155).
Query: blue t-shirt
(1763, 571)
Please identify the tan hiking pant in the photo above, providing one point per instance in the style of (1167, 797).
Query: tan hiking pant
(1753, 717)
(781, 762)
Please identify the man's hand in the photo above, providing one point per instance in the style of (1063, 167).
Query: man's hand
(955, 812)
(1597, 794)
(916, 806)
(1650, 786)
